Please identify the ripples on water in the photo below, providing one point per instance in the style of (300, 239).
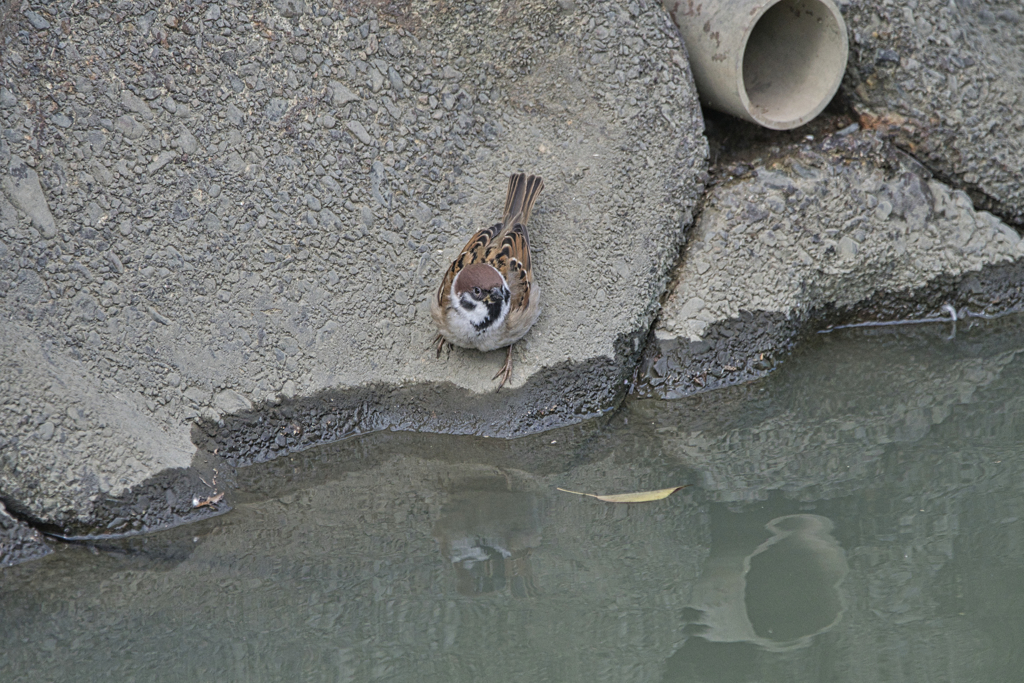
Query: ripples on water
(856, 516)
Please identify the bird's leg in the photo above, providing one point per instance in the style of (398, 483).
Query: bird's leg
(441, 342)
(506, 370)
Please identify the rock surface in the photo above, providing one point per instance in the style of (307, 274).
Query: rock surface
(220, 225)
(946, 79)
(839, 230)
(21, 185)
(252, 204)
(18, 542)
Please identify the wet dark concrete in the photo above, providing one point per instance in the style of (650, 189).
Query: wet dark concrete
(743, 349)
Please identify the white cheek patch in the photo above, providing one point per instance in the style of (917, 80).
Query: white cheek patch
(474, 312)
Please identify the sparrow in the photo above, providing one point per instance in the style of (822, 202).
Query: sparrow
(488, 298)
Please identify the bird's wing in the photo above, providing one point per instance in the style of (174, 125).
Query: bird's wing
(511, 256)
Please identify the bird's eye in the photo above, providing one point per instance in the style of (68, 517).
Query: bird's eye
(476, 291)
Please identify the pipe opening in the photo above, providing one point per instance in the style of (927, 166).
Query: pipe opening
(793, 62)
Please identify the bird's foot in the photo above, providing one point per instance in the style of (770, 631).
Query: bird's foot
(506, 370)
(441, 343)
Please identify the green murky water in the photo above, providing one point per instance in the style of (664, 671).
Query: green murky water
(857, 516)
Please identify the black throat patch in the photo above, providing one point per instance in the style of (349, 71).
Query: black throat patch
(493, 311)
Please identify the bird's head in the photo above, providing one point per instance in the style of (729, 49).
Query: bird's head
(481, 294)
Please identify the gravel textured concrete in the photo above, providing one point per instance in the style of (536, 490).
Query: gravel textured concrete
(840, 230)
(209, 209)
(946, 79)
(221, 223)
(19, 542)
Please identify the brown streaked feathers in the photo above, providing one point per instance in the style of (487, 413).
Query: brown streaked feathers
(503, 248)
(505, 245)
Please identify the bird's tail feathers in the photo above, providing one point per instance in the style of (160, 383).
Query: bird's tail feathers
(522, 193)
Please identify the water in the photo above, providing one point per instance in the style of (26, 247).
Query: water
(856, 516)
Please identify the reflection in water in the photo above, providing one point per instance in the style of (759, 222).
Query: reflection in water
(775, 594)
(793, 582)
(488, 537)
(703, 660)
(858, 516)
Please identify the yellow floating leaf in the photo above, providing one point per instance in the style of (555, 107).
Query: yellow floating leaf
(642, 497)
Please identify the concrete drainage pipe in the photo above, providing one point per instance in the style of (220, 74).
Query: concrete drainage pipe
(773, 62)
